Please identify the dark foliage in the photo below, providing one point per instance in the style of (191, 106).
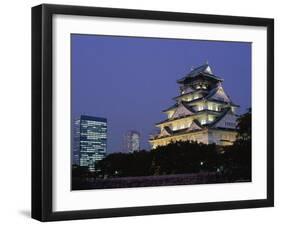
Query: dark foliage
(80, 171)
(244, 126)
(233, 162)
(183, 157)
(237, 160)
(120, 164)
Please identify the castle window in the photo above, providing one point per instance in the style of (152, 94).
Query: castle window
(210, 107)
(230, 124)
(170, 114)
(210, 118)
(182, 126)
(200, 107)
(175, 127)
(203, 121)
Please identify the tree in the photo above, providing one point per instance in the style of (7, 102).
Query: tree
(244, 126)
(174, 158)
(80, 171)
(126, 164)
(183, 157)
(187, 157)
(238, 157)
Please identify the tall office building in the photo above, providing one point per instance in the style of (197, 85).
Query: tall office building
(89, 141)
(132, 141)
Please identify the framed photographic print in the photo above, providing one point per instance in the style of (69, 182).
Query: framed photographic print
(145, 112)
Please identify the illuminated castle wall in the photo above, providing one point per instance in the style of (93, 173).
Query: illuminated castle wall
(203, 112)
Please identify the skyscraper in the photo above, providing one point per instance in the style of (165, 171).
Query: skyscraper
(203, 112)
(89, 141)
(132, 141)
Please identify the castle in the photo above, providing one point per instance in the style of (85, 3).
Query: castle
(203, 112)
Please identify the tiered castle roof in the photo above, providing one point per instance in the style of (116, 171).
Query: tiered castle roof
(202, 71)
(202, 103)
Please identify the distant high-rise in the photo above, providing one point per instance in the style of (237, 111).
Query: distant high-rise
(89, 141)
(132, 141)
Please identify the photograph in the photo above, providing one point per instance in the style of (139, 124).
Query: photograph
(149, 111)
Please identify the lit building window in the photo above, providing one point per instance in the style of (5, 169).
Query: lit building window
(203, 121)
(89, 141)
(200, 107)
(175, 127)
(210, 118)
(182, 126)
(170, 114)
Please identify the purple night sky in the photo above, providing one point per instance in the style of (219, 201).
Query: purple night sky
(130, 81)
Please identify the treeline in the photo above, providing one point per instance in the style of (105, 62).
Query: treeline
(176, 158)
(181, 158)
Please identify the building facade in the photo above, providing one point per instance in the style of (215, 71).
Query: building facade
(89, 141)
(132, 141)
(203, 112)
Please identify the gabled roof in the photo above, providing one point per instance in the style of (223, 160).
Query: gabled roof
(185, 104)
(168, 130)
(204, 70)
(212, 96)
(182, 110)
(192, 92)
(214, 91)
(211, 93)
(211, 100)
(220, 117)
(188, 90)
(181, 117)
(195, 125)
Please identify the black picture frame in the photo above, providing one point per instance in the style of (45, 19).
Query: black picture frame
(42, 107)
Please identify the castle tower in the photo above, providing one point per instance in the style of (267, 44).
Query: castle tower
(203, 112)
